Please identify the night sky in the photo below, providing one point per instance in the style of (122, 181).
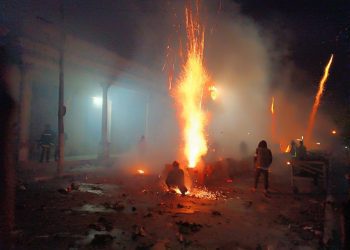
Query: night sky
(315, 30)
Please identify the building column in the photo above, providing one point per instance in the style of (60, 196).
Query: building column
(25, 113)
(104, 152)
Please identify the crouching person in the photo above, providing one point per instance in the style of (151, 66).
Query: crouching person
(176, 178)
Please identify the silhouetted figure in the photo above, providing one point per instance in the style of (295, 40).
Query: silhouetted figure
(301, 151)
(176, 178)
(262, 162)
(46, 141)
(293, 149)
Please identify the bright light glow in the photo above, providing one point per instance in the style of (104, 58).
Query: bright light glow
(334, 132)
(273, 105)
(97, 101)
(213, 92)
(140, 171)
(318, 143)
(288, 162)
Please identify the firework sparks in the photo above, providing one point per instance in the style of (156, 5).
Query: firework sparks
(273, 119)
(189, 92)
(317, 100)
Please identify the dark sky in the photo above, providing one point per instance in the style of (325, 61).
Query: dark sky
(316, 29)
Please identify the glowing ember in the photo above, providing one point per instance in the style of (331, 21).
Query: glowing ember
(287, 150)
(334, 132)
(318, 99)
(273, 105)
(203, 193)
(288, 162)
(213, 92)
(189, 92)
(140, 171)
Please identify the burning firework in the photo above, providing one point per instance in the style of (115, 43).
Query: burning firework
(189, 91)
(273, 119)
(273, 106)
(317, 100)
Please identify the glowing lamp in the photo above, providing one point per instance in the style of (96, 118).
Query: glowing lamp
(97, 101)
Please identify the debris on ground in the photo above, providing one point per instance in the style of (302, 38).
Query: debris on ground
(188, 228)
(138, 231)
(115, 206)
(216, 213)
(64, 190)
(102, 239)
(283, 220)
(179, 205)
(107, 224)
(248, 204)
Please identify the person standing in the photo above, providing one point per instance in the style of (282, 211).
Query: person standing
(262, 162)
(46, 141)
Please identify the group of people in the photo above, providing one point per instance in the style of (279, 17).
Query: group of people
(298, 152)
(262, 162)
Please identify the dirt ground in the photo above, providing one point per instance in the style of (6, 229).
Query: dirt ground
(94, 207)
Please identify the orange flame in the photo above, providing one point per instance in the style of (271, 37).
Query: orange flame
(273, 119)
(189, 92)
(140, 171)
(318, 99)
(287, 150)
(273, 105)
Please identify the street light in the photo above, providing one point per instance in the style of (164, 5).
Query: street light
(97, 101)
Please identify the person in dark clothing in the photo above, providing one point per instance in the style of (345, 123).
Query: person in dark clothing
(293, 149)
(176, 178)
(46, 141)
(262, 162)
(301, 151)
